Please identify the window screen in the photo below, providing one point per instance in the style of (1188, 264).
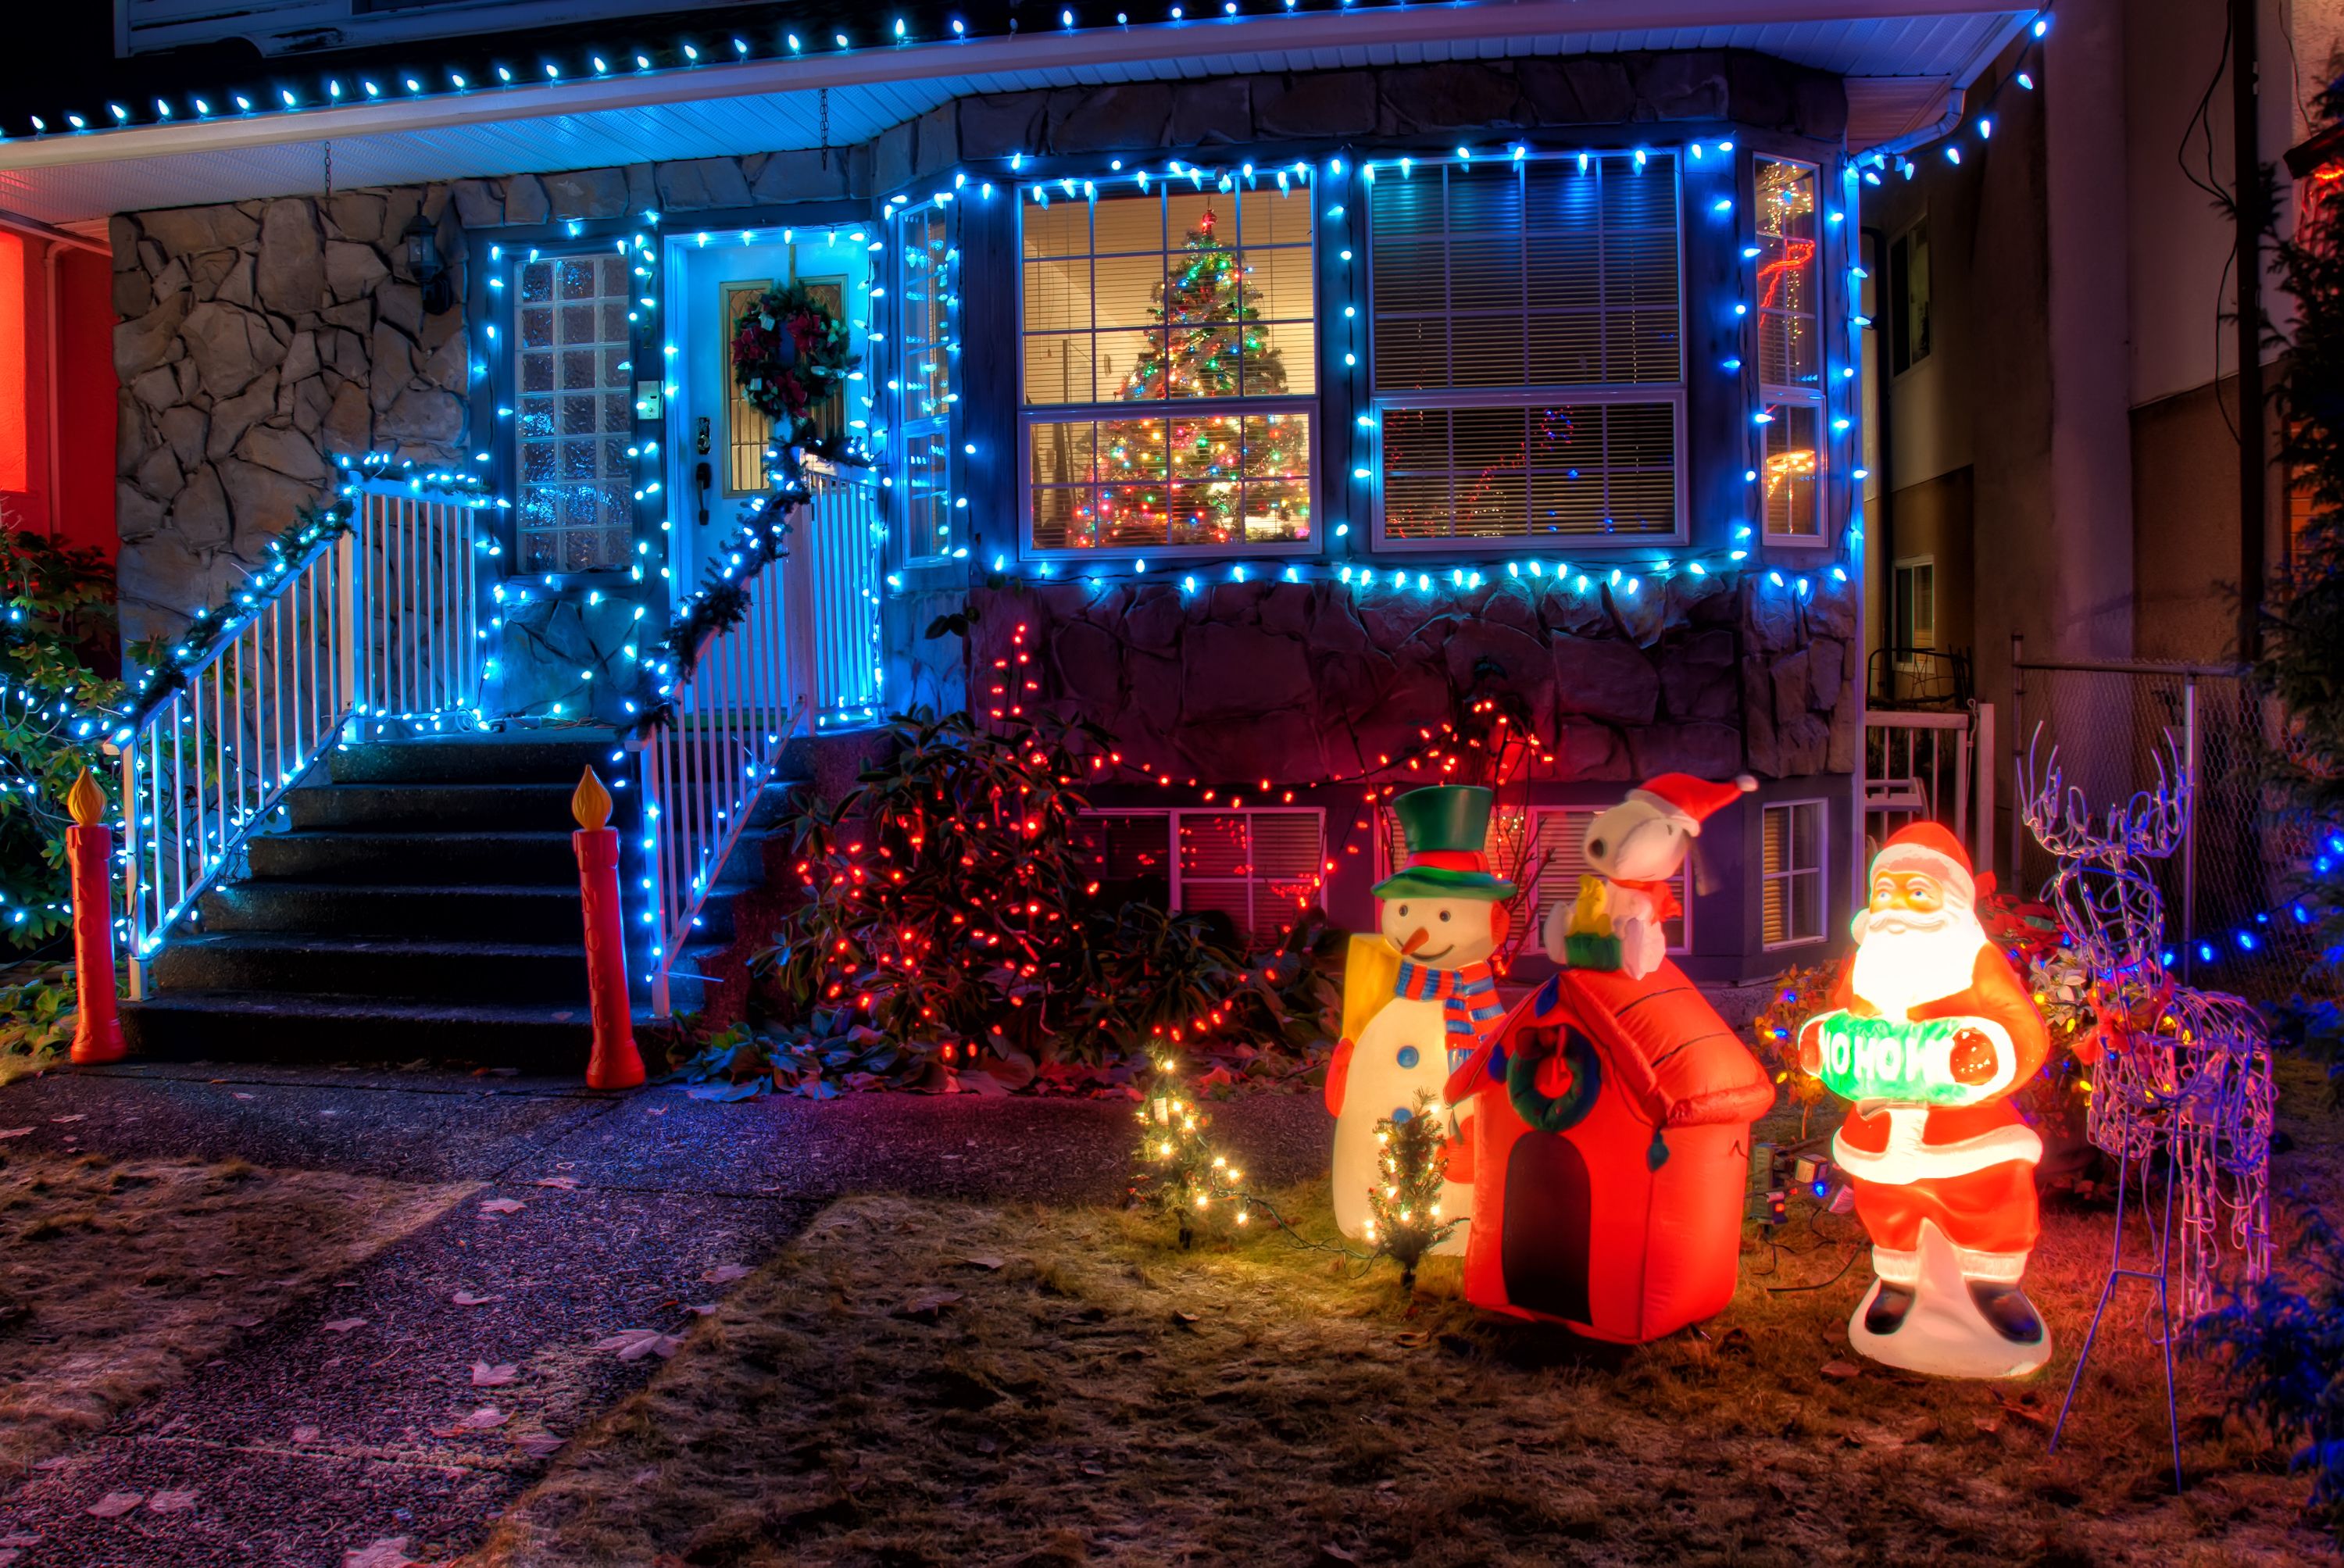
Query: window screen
(1526, 352)
(577, 414)
(927, 276)
(1792, 872)
(1168, 369)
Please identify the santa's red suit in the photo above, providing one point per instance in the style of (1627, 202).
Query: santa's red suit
(1970, 1168)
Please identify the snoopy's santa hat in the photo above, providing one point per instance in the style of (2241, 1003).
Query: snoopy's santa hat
(1929, 848)
(1691, 800)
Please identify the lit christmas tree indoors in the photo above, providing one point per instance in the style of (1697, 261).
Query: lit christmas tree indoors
(1185, 480)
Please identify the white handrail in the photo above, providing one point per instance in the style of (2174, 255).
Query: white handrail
(377, 621)
(835, 571)
(704, 767)
(1940, 780)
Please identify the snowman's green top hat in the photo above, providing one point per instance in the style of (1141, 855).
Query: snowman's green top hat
(1445, 827)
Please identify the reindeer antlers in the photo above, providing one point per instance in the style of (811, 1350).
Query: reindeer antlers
(2149, 826)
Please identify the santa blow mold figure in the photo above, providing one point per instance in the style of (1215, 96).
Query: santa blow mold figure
(1929, 1032)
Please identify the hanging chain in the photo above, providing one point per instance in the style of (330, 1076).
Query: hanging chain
(824, 98)
(328, 145)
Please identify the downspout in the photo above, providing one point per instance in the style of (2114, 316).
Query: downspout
(1885, 524)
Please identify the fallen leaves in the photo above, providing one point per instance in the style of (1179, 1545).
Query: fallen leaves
(1841, 1371)
(539, 1444)
(466, 1299)
(500, 1206)
(6, 1132)
(929, 1306)
(386, 1554)
(563, 1183)
(115, 1504)
(487, 1418)
(725, 1273)
(178, 1502)
(984, 1261)
(343, 1325)
(305, 1434)
(485, 1376)
(634, 1344)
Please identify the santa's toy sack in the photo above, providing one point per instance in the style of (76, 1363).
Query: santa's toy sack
(1610, 1155)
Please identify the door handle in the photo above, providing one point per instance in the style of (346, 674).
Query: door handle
(700, 478)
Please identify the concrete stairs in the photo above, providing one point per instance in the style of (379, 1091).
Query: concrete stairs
(418, 899)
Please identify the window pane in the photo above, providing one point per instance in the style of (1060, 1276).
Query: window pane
(1209, 480)
(1789, 349)
(577, 416)
(1548, 471)
(1792, 470)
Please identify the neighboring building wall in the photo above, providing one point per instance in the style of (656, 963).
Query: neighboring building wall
(53, 460)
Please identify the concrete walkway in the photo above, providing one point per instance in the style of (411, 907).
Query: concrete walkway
(302, 1444)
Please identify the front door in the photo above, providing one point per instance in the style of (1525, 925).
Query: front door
(716, 472)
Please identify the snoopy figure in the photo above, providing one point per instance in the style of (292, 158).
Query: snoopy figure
(1637, 847)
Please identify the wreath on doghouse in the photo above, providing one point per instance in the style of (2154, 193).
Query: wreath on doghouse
(789, 354)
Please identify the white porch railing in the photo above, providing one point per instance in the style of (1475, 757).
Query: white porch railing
(834, 581)
(1923, 765)
(377, 620)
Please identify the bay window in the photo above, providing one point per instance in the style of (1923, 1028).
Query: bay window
(1528, 366)
(926, 374)
(1168, 373)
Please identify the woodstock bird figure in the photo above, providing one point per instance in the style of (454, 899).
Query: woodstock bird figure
(1637, 847)
(1418, 997)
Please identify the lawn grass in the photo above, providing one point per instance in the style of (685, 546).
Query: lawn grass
(1091, 1393)
(116, 1277)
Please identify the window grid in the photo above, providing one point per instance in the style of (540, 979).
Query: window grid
(1228, 462)
(1792, 873)
(1261, 867)
(1527, 349)
(926, 283)
(1551, 859)
(573, 349)
(1790, 349)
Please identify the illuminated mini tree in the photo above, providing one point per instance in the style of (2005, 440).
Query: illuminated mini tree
(1212, 345)
(1404, 1207)
(1176, 1171)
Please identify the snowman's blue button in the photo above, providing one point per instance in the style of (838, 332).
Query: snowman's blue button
(1407, 1058)
(1401, 1113)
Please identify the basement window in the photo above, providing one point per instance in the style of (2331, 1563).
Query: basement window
(1259, 869)
(1792, 873)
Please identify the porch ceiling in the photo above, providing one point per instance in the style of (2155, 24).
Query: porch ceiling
(763, 106)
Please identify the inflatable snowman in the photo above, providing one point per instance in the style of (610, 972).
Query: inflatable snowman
(1418, 997)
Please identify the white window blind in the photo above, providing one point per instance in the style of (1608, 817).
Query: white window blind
(1262, 867)
(1527, 349)
(1792, 872)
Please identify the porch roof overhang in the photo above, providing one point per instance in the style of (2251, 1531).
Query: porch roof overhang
(1932, 48)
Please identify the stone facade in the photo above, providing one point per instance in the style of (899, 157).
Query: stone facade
(1306, 682)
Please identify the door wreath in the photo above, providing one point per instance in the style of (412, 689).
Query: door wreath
(789, 354)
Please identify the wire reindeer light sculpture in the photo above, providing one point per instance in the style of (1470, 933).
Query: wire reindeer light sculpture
(2178, 1071)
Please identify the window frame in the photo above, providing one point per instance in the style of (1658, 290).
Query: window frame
(1820, 871)
(1530, 913)
(1314, 403)
(1673, 394)
(512, 251)
(1171, 816)
(1773, 395)
(902, 427)
(1903, 627)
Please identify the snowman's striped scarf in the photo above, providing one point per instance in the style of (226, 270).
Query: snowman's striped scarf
(1467, 998)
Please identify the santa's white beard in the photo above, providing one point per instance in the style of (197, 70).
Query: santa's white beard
(1903, 958)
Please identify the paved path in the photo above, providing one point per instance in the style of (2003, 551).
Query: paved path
(303, 1444)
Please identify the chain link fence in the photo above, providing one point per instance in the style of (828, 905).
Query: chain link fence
(2229, 920)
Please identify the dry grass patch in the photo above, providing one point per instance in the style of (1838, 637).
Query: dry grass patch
(116, 1277)
(929, 1384)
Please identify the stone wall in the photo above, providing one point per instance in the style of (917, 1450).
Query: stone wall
(1303, 683)
(260, 342)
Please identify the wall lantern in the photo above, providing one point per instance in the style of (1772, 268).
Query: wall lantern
(423, 262)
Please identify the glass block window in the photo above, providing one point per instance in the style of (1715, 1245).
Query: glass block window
(1168, 371)
(1527, 366)
(576, 415)
(1792, 872)
(927, 280)
(1790, 349)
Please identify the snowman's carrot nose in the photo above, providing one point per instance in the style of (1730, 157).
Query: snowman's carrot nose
(1418, 940)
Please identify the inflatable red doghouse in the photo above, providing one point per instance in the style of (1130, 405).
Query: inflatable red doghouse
(1612, 1145)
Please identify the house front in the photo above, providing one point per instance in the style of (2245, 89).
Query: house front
(1317, 401)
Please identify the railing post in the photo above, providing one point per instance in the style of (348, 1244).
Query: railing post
(132, 849)
(615, 1064)
(1982, 760)
(347, 599)
(2189, 826)
(89, 849)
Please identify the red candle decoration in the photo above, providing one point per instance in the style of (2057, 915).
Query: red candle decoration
(89, 848)
(615, 1063)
